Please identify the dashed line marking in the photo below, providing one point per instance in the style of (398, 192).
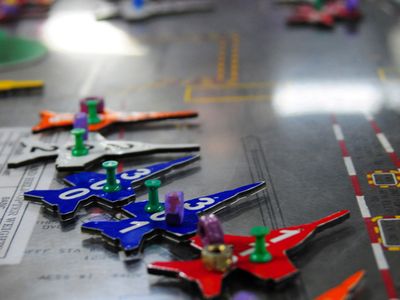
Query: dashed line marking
(363, 207)
(384, 142)
(386, 145)
(188, 93)
(379, 256)
(349, 166)
(235, 40)
(338, 132)
(222, 45)
(365, 212)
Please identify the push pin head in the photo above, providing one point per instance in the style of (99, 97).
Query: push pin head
(174, 208)
(260, 254)
(92, 110)
(79, 149)
(217, 257)
(138, 4)
(210, 230)
(100, 104)
(351, 5)
(244, 295)
(80, 121)
(318, 4)
(112, 184)
(153, 205)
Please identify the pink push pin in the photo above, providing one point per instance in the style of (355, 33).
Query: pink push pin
(81, 121)
(174, 208)
(100, 104)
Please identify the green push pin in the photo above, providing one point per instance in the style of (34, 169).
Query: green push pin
(112, 185)
(93, 117)
(260, 254)
(79, 149)
(318, 4)
(153, 205)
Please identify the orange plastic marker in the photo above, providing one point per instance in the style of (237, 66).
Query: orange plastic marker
(345, 290)
(51, 120)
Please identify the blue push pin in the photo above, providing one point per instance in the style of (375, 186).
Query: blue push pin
(138, 4)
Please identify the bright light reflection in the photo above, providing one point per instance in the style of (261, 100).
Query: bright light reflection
(326, 97)
(81, 33)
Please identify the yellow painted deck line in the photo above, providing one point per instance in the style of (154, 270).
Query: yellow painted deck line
(221, 61)
(204, 100)
(381, 74)
(234, 76)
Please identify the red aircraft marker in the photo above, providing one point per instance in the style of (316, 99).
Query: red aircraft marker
(307, 14)
(280, 268)
(345, 290)
(14, 9)
(51, 120)
(340, 11)
(326, 15)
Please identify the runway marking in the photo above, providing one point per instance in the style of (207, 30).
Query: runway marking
(365, 213)
(363, 207)
(238, 85)
(226, 92)
(384, 141)
(235, 40)
(388, 74)
(395, 178)
(381, 74)
(222, 45)
(203, 100)
(380, 231)
(338, 132)
(379, 256)
(349, 166)
(88, 83)
(188, 93)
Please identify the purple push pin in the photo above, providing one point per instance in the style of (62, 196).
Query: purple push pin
(244, 295)
(100, 104)
(174, 208)
(210, 230)
(351, 5)
(81, 121)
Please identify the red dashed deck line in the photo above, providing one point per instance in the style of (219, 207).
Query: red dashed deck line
(384, 141)
(365, 212)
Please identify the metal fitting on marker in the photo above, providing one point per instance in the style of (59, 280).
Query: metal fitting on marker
(217, 257)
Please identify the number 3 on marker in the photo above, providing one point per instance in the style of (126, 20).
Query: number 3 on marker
(203, 202)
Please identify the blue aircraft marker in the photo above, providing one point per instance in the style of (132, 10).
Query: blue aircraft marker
(87, 187)
(130, 234)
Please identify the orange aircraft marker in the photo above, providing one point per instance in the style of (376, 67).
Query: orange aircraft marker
(51, 120)
(345, 290)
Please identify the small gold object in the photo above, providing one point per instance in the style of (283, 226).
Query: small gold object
(217, 257)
